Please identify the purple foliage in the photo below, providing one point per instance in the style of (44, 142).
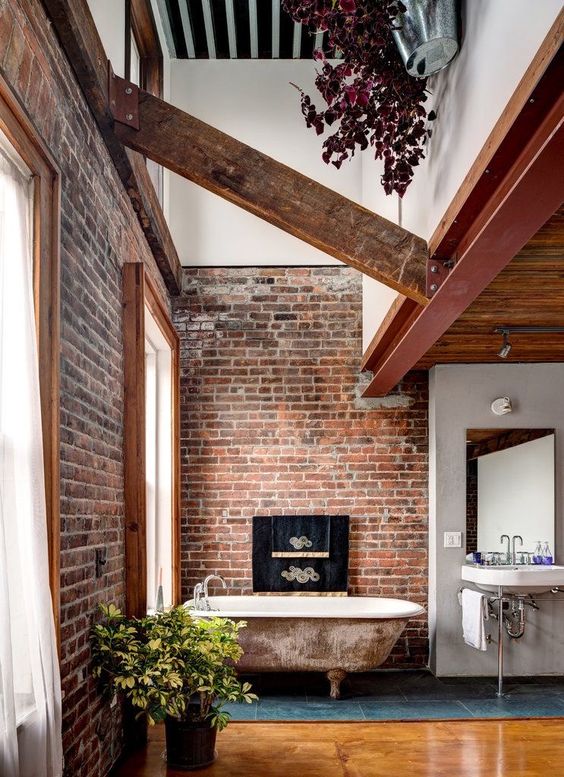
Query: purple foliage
(371, 100)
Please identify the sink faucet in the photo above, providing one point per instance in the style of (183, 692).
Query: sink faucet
(513, 553)
(508, 552)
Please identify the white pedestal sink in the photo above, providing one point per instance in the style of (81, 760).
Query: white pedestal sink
(521, 579)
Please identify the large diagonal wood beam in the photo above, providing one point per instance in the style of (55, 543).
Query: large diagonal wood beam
(278, 194)
(79, 38)
(522, 186)
(234, 171)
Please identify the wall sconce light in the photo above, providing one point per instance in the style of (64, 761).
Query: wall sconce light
(506, 346)
(501, 406)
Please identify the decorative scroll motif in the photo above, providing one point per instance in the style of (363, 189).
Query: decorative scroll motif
(301, 575)
(300, 542)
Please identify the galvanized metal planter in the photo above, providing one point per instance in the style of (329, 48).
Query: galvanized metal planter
(428, 36)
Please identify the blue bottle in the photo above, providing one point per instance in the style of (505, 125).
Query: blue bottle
(546, 555)
(537, 555)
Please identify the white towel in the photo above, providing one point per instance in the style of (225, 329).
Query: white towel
(474, 617)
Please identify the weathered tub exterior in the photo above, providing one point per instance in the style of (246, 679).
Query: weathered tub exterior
(335, 635)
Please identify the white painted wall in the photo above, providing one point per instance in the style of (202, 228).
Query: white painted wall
(516, 495)
(255, 102)
(460, 397)
(252, 100)
(376, 301)
(500, 40)
(376, 298)
(109, 17)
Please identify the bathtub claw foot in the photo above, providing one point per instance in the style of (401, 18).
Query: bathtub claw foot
(336, 677)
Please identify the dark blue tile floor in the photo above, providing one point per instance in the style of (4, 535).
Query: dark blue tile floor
(401, 695)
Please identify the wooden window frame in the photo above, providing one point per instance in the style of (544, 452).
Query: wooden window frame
(20, 130)
(140, 21)
(139, 291)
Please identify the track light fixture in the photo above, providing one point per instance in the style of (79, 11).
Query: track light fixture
(505, 349)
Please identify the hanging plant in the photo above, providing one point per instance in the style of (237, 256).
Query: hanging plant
(370, 98)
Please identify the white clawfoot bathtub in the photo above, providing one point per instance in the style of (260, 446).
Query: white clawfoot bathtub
(335, 635)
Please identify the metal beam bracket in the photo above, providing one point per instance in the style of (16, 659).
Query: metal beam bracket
(437, 273)
(124, 99)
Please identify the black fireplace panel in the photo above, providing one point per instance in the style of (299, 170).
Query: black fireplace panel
(305, 573)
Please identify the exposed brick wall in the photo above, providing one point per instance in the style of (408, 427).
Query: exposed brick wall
(99, 232)
(472, 506)
(271, 423)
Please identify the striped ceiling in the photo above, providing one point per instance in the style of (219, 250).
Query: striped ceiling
(235, 29)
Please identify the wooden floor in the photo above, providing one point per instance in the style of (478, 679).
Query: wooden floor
(484, 748)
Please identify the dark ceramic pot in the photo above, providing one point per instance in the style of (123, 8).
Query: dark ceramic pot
(189, 745)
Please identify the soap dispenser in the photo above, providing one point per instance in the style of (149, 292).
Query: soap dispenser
(546, 555)
(537, 555)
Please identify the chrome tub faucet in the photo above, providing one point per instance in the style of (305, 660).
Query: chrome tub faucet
(198, 591)
(201, 601)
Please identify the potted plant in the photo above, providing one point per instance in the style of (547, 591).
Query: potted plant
(369, 98)
(173, 668)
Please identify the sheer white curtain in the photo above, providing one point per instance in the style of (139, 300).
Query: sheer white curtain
(30, 696)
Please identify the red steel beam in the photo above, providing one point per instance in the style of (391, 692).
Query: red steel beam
(529, 191)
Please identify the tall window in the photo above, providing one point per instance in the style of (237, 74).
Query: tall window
(30, 700)
(152, 487)
(135, 61)
(159, 440)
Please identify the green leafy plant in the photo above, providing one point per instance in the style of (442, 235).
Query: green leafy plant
(171, 664)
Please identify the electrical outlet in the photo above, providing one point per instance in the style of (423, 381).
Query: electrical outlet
(453, 539)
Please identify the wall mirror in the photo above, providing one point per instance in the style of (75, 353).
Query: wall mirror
(509, 488)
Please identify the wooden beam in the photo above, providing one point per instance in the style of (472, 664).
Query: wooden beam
(278, 194)
(134, 439)
(77, 32)
(530, 188)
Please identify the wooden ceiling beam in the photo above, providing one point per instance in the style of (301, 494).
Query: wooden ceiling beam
(277, 194)
(528, 190)
(79, 38)
(244, 176)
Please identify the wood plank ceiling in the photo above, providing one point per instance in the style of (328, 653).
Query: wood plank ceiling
(236, 29)
(481, 442)
(528, 292)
